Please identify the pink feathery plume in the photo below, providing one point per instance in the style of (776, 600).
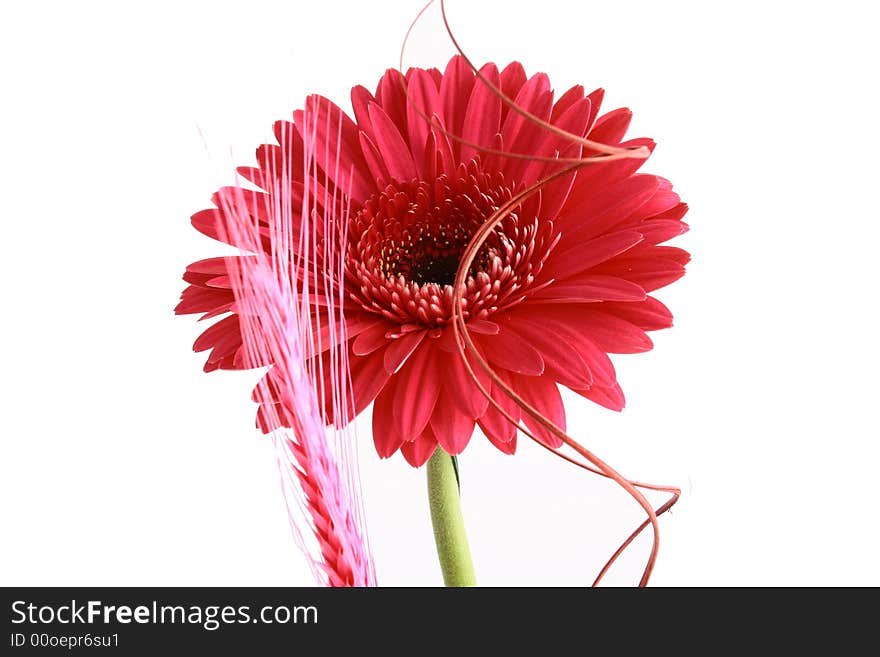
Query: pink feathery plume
(289, 310)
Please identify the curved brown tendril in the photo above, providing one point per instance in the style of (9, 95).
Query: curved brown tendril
(462, 337)
(636, 152)
(641, 152)
(465, 344)
(675, 494)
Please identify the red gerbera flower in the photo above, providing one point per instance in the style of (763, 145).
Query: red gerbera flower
(562, 281)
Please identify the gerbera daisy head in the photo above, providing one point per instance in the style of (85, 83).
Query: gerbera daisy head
(562, 281)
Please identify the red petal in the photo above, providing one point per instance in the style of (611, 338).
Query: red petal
(573, 258)
(561, 361)
(505, 446)
(657, 231)
(418, 451)
(391, 96)
(374, 160)
(611, 128)
(258, 204)
(554, 195)
(455, 89)
(648, 315)
(416, 390)
(543, 395)
(483, 117)
(650, 273)
(452, 427)
(662, 201)
(612, 334)
(253, 175)
(509, 351)
(610, 397)
(336, 147)
(225, 334)
(566, 100)
(444, 148)
(400, 349)
(423, 103)
(206, 222)
(673, 253)
(589, 288)
(385, 435)
(462, 389)
(209, 266)
(371, 338)
(568, 324)
(328, 332)
(513, 77)
(521, 134)
(360, 102)
(494, 424)
(395, 154)
(596, 97)
(605, 174)
(593, 211)
(368, 376)
(197, 299)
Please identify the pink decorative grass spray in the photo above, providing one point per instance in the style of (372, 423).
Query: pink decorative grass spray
(279, 297)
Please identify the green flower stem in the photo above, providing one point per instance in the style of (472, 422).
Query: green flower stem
(449, 534)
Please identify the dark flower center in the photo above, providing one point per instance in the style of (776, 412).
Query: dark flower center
(405, 245)
(419, 230)
(427, 251)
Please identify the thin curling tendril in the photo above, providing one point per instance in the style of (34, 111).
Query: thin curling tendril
(462, 337)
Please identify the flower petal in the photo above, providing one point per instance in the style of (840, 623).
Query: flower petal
(610, 397)
(395, 154)
(561, 361)
(611, 127)
(483, 117)
(374, 161)
(543, 395)
(648, 315)
(521, 134)
(513, 77)
(197, 299)
(660, 230)
(455, 90)
(605, 174)
(335, 145)
(391, 96)
(400, 349)
(493, 423)
(368, 377)
(360, 103)
(509, 351)
(418, 451)
(224, 336)
(611, 333)
(416, 390)
(372, 338)
(566, 100)
(592, 211)
(573, 257)
(648, 272)
(589, 288)
(452, 427)
(423, 103)
(461, 388)
(386, 438)
(575, 120)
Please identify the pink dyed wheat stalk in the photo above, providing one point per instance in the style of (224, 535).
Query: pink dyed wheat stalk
(280, 296)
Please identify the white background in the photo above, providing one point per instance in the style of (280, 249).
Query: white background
(123, 464)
